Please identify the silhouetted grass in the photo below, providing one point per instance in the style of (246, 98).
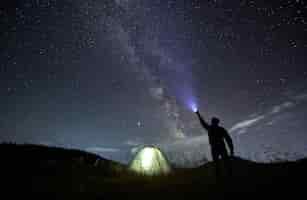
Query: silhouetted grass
(33, 171)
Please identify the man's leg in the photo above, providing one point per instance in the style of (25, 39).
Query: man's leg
(226, 161)
(215, 158)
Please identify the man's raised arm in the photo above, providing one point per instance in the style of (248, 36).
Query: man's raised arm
(202, 121)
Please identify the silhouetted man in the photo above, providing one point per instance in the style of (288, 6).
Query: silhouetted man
(217, 137)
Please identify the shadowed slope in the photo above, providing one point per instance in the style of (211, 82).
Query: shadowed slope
(53, 173)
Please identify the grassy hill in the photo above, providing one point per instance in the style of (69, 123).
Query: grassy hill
(32, 171)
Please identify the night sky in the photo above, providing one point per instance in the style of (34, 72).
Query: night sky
(107, 76)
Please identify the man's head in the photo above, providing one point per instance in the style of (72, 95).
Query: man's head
(215, 121)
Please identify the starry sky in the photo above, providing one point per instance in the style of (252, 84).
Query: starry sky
(109, 76)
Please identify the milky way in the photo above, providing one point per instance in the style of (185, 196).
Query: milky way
(108, 76)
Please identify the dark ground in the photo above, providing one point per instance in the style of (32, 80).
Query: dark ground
(38, 172)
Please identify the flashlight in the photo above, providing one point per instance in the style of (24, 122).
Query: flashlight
(194, 107)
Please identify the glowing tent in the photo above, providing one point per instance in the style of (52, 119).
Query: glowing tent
(149, 160)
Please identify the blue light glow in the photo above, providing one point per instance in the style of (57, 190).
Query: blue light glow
(193, 106)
